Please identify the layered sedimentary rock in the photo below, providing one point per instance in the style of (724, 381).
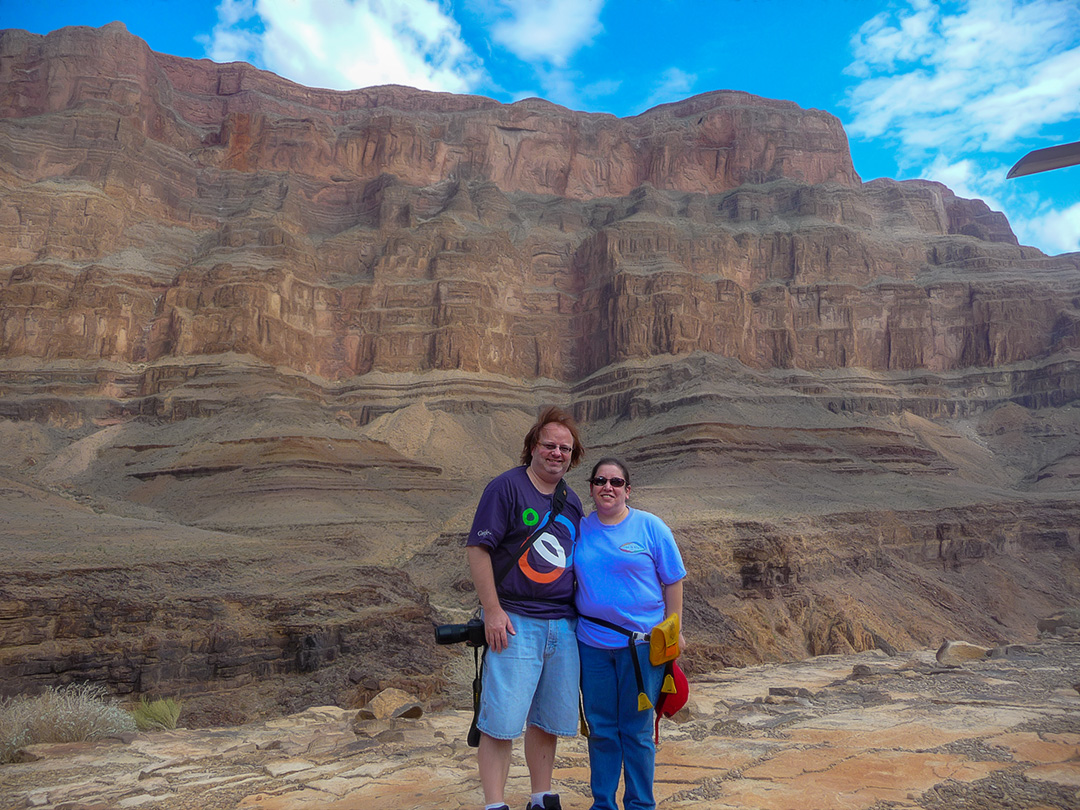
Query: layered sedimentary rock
(294, 331)
(158, 207)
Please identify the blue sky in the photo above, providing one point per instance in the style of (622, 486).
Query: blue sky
(949, 90)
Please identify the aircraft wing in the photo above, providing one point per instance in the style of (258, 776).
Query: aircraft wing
(1042, 160)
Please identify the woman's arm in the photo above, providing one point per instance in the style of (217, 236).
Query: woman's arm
(673, 598)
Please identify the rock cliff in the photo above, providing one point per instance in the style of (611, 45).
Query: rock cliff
(261, 345)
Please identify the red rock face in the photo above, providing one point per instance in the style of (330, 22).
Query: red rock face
(163, 219)
(161, 207)
(249, 120)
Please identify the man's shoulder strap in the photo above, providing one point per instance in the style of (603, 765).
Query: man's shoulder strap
(558, 501)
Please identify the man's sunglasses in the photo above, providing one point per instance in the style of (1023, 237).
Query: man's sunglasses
(599, 481)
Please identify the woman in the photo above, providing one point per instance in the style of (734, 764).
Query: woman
(630, 574)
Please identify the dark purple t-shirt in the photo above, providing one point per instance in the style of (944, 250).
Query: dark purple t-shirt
(511, 509)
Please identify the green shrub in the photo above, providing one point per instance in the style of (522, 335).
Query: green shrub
(67, 714)
(156, 715)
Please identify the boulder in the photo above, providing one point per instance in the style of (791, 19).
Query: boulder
(390, 704)
(958, 653)
(1063, 623)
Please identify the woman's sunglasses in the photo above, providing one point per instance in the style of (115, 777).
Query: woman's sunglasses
(599, 481)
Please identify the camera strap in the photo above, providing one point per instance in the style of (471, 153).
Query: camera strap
(473, 737)
(558, 501)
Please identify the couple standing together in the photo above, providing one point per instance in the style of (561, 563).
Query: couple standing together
(619, 565)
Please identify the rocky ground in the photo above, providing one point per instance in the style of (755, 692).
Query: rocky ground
(862, 732)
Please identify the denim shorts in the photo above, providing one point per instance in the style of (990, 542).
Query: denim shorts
(535, 680)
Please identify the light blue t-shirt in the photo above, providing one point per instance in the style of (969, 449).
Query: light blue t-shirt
(621, 571)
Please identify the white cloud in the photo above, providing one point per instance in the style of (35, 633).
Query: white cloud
(955, 86)
(559, 86)
(231, 40)
(969, 178)
(1049, 94)
(881, 44)
(545, 35)
(546, 31)
(1058, 231)
(674, 85)
(346, 44)
(231, 12)
(995, 71)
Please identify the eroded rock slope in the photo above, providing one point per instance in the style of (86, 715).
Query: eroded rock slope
(261, 345)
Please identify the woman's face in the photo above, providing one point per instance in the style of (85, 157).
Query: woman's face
(610, 500)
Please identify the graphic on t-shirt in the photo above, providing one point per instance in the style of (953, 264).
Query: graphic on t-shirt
(548, 548)
(633, 547)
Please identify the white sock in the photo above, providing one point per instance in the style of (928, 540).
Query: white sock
(494, 806)
(538, 798)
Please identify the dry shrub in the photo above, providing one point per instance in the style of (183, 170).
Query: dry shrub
(13, 734)
(74, 713)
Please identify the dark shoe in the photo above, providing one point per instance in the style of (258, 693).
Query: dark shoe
(551, 802)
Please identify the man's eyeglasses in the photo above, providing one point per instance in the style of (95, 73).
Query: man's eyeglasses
(599, 481)
(562, 448)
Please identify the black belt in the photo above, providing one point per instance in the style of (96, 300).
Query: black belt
(633, 637)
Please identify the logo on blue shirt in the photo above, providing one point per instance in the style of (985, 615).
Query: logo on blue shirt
(633, 547)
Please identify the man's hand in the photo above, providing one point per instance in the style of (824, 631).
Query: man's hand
(497, 629)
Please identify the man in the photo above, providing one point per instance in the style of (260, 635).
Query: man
(531, 673)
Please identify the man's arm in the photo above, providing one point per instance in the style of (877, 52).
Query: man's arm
(497, 625)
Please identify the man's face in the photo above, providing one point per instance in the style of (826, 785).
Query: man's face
(551, 454)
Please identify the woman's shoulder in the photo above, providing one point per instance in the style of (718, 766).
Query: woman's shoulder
(653, 522)
(643, 516)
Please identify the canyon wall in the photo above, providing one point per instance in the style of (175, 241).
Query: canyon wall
(293, 331)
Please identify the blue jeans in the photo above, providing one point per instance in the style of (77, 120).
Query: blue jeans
(620, 736)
